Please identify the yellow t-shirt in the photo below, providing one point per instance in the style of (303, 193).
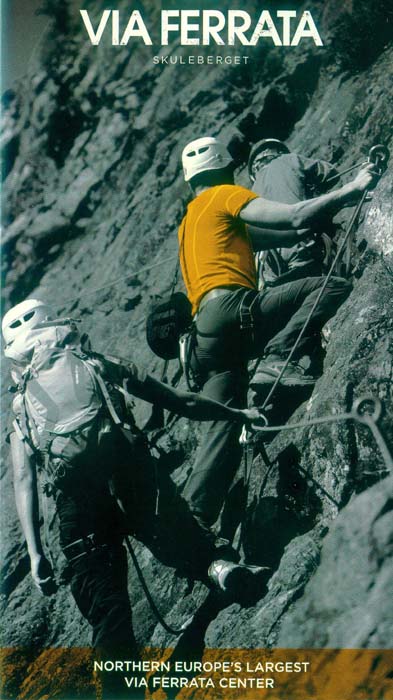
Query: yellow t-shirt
(214, 245)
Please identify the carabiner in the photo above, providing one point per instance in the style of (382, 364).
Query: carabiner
(366, 409)
(379, 155)
(256, 427)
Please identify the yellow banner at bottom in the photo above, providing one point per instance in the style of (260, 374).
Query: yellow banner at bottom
(221, 674)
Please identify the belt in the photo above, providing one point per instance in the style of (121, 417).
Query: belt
(215, 293)
(86, 545)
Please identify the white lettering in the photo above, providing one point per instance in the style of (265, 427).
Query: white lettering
(286, 25)
(95, 37)
(238, 31)
(187, 27)
(206, 27)
(166, 27)
(271, 31)
(209, 30)
(141, 31)
(115, 27)
(306, 20)
(136, 682)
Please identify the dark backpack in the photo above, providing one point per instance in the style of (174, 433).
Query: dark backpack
(273, 268)
(166, 322)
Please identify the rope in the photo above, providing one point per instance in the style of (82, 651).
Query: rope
(344, 172)
(149, 597)
(380, 158)
(117, 281)
(317, 300)
(379, 155)
(247, 456)
(45, 516)
(370, 420)
(305, 424)
(340, 249)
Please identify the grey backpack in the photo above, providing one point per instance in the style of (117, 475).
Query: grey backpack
(62, 404)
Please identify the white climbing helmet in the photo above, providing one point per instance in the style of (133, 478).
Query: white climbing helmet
(23, 317)
(204, 154)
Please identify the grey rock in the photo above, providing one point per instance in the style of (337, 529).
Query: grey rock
(346, 603)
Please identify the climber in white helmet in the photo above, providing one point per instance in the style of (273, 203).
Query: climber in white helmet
(71, 425)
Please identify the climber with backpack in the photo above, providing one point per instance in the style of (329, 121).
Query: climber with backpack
(71, 430)
(233, 321)
(280, 175)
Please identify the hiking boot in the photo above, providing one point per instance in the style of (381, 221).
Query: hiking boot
(293, 376)
(238, 580)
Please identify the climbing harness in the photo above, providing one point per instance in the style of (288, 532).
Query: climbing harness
(245, 313)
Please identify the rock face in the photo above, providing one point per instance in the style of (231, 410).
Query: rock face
(350, 589)
(93, 196)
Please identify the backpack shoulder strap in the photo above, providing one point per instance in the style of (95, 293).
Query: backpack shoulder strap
(94, 370)
(119, 362)
(274, 260)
